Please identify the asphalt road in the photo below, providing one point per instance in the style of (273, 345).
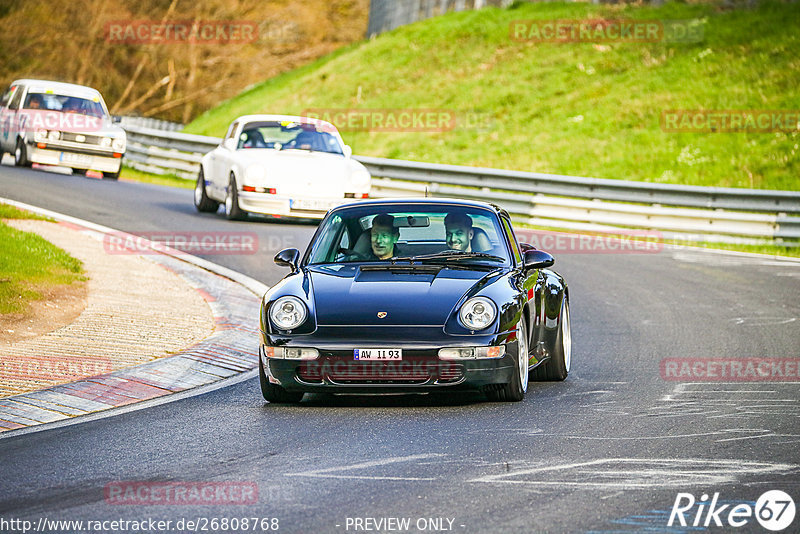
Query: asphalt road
(608, 450)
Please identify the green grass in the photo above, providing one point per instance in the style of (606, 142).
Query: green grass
(171, 180)
(29, 264)
(8, 211)
(566, 108)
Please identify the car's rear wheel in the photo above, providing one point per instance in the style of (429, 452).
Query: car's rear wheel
(557, 367)
(21, 155)
(273, 392)
(232, 209)
(201, 200)
(515, 390)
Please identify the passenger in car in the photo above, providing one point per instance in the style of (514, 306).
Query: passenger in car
(459, 231)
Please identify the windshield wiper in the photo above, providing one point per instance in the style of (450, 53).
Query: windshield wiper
(449, 255)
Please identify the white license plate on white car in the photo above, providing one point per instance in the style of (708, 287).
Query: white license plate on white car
(378, 354)
(69, 157)
(311, 204)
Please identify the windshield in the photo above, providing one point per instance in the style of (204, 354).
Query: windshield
(410, 234)
(65, 104)
(288, 135)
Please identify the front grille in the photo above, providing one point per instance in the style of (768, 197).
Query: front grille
(366, 373)
(73, 137)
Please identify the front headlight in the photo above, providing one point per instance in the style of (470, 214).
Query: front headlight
(477, 313)
(54, 135)
(118, 144)
(105, 142)
(254, 173)
(288, 313)
(40, 135)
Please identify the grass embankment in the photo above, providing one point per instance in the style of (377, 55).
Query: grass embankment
(582, 109)
(29, 265)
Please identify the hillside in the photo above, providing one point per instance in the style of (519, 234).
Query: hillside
(577, 108)
(81, 42)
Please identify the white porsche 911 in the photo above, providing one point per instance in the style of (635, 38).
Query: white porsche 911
(279, 165)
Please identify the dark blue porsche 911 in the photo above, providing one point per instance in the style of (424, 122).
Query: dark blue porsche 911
(411, 296)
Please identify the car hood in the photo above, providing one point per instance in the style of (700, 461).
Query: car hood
(299, 165)
(350, 295)
(69, 122)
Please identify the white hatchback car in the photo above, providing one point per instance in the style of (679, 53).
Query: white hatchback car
(279, 165)
(62, 124)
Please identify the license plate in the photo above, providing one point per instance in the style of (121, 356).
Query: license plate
(69, 157)
(311, 204)
(378, 354)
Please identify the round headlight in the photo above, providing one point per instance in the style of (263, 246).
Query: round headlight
(40, 134)
(118, 144)
(54, 135)
(477, 313)
(105, 142)
(287, 313)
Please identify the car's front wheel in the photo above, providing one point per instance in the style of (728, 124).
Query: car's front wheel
(274, 393)
(557, 367)
(232, 209)
(515, 390)
(21, 154)
(201, 200)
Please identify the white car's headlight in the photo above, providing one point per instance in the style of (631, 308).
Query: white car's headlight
(40, 135)
(288, 313)
(254, 173)
(477, 313)
(54, 135)
(119, 144)
(106, 142)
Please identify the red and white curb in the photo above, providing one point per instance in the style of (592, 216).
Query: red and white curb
(231, 351)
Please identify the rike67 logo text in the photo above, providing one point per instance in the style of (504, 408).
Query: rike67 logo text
(774, 511)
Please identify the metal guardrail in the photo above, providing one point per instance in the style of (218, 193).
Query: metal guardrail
(680, 211)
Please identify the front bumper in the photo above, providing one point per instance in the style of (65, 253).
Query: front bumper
(75, 158)
(268, 204)
(336, 371)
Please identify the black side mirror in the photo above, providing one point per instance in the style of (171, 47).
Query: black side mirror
(289, 257)
(538, 259)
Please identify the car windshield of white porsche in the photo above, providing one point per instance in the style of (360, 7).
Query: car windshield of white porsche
(424, 235)
(287, 135)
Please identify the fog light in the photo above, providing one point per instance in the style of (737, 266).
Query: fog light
(291, 353)
(471, 353)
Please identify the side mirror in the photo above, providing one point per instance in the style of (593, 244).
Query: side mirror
(289, 257)
(229, 143)
(538, 259)
(348, 151)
